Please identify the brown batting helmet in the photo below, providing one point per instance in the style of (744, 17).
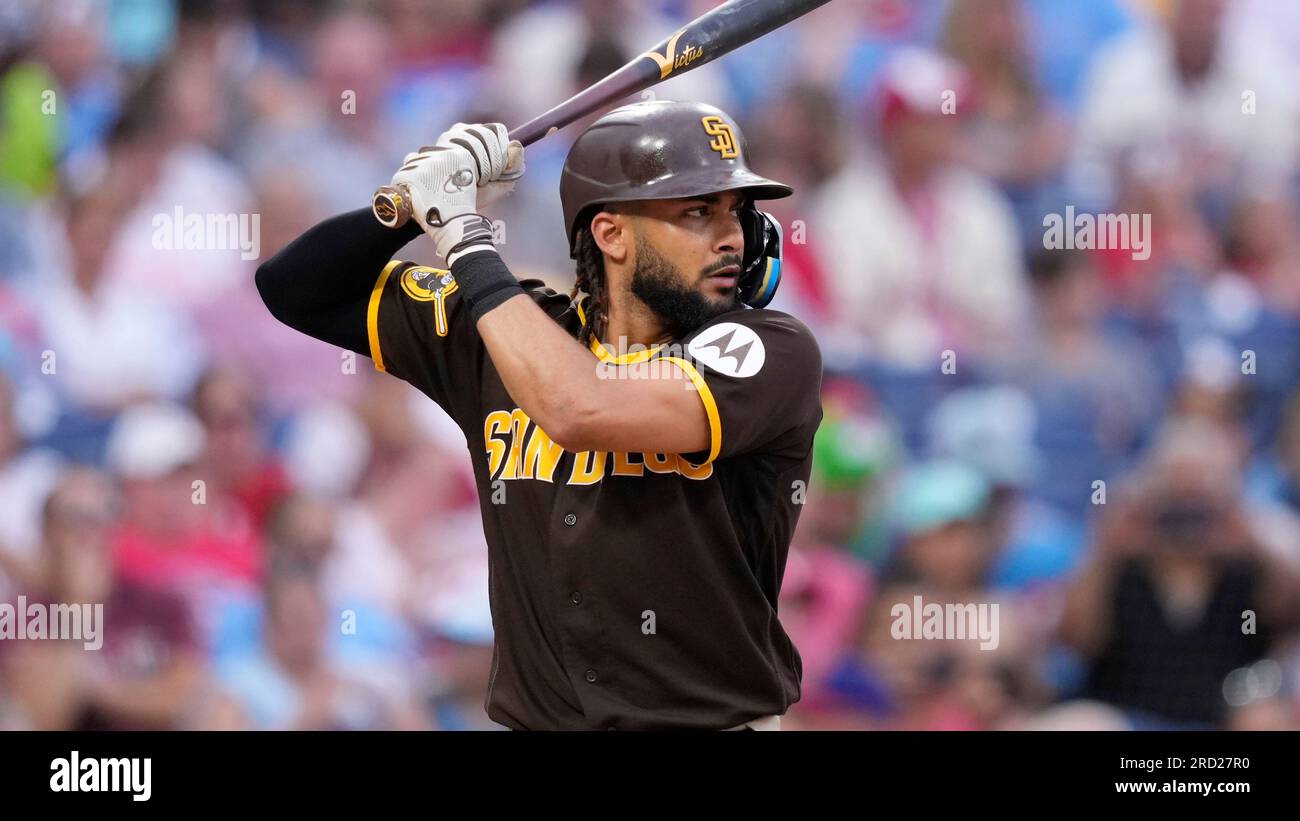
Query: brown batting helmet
(657, 149)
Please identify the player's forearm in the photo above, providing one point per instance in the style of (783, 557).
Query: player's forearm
(545, 370)
(581, 403)
(320, 283)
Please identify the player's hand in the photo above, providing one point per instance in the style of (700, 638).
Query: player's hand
(443, 187)
(469, 167)
(499, 160)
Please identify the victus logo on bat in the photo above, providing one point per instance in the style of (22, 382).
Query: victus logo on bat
(670, 60)
(127, 775)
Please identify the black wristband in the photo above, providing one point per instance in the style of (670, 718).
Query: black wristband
(485, 282)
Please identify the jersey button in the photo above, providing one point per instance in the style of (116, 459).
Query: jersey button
(575, 597)
(570, 520)
(591, 676)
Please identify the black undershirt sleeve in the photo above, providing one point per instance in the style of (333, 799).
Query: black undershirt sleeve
(320, 283)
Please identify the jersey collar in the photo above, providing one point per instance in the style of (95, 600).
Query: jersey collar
(603, 353)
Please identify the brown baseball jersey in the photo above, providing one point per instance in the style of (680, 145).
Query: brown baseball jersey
(628, 590)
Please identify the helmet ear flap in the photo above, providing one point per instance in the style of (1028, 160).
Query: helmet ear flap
(761, 269)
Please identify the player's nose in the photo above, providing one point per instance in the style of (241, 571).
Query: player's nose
(730, 238)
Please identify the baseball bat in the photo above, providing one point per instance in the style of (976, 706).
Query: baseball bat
(703, 40)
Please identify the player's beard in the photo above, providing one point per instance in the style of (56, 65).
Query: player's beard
(662, 287)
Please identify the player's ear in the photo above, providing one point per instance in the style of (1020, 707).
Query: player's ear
(613, 235)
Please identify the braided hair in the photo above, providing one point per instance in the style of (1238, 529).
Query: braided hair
(590, 278)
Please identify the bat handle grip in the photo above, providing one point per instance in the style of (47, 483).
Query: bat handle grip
(391, 205)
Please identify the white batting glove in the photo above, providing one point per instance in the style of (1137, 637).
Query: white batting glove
(443, 189)
(468, 168)
(499, 160)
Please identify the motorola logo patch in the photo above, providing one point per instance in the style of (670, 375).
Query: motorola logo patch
(730, 349)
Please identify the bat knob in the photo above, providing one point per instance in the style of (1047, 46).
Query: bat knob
(391, 205)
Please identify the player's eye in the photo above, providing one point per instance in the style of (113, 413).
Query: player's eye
(704, 210)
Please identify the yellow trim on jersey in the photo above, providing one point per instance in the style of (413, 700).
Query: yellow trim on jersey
(372, 315)
(710, 405)
(599, 349)
(706, 395)
(626, 359)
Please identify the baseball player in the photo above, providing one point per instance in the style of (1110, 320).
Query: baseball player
(641, 446)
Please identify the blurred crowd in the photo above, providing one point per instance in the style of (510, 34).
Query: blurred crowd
(1104, 443)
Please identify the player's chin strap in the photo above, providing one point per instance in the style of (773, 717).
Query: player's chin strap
(761, 270)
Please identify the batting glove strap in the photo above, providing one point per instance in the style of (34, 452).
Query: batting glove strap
(484, 280)
(458, 233)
